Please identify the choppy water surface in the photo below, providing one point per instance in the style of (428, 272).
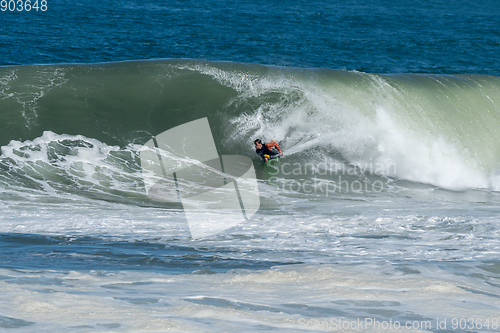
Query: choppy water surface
(382, 211)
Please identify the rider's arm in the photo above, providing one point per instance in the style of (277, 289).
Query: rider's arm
(270, 145)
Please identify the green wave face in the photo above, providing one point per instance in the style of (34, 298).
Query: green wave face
(56, 121)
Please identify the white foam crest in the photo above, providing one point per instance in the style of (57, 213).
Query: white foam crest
(61, 163)
(314, 118)
(423, 158)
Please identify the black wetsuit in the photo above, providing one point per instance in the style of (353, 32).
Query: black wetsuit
(266, 151)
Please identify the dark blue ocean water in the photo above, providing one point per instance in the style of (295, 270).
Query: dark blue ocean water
(380, 36)
(82, 247)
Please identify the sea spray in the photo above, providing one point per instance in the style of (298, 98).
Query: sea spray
(436, 129)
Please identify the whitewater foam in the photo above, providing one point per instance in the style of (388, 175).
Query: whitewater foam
(437, 129)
